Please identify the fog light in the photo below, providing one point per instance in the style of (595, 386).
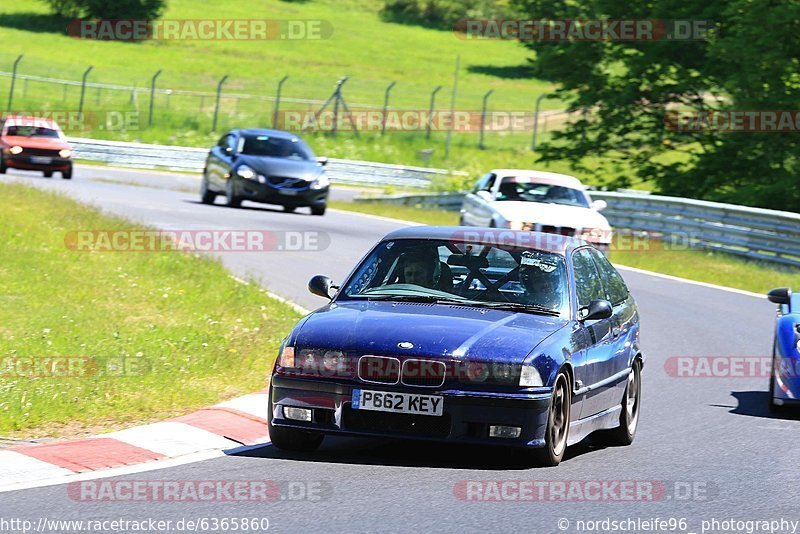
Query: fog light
(297, 414)
(504, 431)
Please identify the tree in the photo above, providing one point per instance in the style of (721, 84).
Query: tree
(104, 9)
(747, 61)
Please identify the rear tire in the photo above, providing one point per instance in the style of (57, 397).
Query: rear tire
(318, 210)
(629, 418)
(290, 439)
(289, 209)
(48, 174)
(773, 408)
(557, 431)
(206, 196)
(67, 175)
(3, 167)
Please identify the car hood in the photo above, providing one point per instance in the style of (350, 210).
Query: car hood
(550, 214)
(287, 168)
(35, 142)
(435, 330)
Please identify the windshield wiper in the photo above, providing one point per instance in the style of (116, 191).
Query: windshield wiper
(535, 308)
(413, 298)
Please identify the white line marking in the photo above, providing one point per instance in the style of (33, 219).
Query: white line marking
(270, 294)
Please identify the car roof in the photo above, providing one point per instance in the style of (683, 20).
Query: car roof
(558, 244)
(25, 120)
(553, 178)
(266, 131)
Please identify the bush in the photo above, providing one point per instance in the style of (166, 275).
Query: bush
(442, 14)
(103, 9)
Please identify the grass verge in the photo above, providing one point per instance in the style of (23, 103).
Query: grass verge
(158, 333)
(703, 266)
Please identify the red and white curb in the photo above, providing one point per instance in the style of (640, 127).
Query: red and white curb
(202, 434)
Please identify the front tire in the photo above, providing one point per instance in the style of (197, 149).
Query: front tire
(557, 431)
(67, 175)
(318, 209)
(291, 439)
(289, 209)
(773, 408)
(3, 167)
(48, 174)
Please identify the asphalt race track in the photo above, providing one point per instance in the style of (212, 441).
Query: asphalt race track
(713, 436)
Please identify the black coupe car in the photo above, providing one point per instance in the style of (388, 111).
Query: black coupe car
(269, 166)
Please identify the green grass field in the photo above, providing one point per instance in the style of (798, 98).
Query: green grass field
(185, 334)
(704, 266)
(372, 52)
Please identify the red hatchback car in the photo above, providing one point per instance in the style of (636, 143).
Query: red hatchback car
(34, 144)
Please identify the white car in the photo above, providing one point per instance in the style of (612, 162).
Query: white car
(537, 201)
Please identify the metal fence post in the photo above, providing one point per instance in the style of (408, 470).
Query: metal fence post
(386, 107)
(216, 106)
(278, 102)
(483, 117)
(13, 79)
(452, 109)
(152, 96)
(536, 118)
(83, 90)
(430, 112)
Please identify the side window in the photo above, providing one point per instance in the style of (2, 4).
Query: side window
(615, 286)
(223, 141)
(587, 280)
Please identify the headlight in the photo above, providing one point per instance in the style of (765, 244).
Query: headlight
(246, 172)
(320, 183)
(316, 362)
(515, 225)
(15, 149)
(530, 377)
(65, 153)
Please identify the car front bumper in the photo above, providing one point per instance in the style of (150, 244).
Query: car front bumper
(466, 418)
(258, 192)
(23, 162)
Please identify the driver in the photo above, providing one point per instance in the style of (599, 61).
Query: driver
(541, 281)
(420, 267)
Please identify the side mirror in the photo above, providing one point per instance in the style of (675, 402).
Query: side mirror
(780, 295)
(484, 195)
(599, 205)
(228, 151)
(321, 286)
(322, 160)
(597, 309)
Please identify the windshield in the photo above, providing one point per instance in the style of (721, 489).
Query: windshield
(511, 189)
(276, 147)
(32, 131)
(465, 273)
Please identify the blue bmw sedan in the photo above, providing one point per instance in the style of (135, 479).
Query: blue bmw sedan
(465, 335)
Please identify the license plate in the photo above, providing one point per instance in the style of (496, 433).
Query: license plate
(41, 160)
(385, 401)
(290, 192)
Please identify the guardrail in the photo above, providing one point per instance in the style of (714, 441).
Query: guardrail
(179, 158)
(768, 235)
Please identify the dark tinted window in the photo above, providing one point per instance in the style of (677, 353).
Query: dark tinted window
(485, 183)
(32, 131)
(588, 285)
(615, 286)
(276, 147)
